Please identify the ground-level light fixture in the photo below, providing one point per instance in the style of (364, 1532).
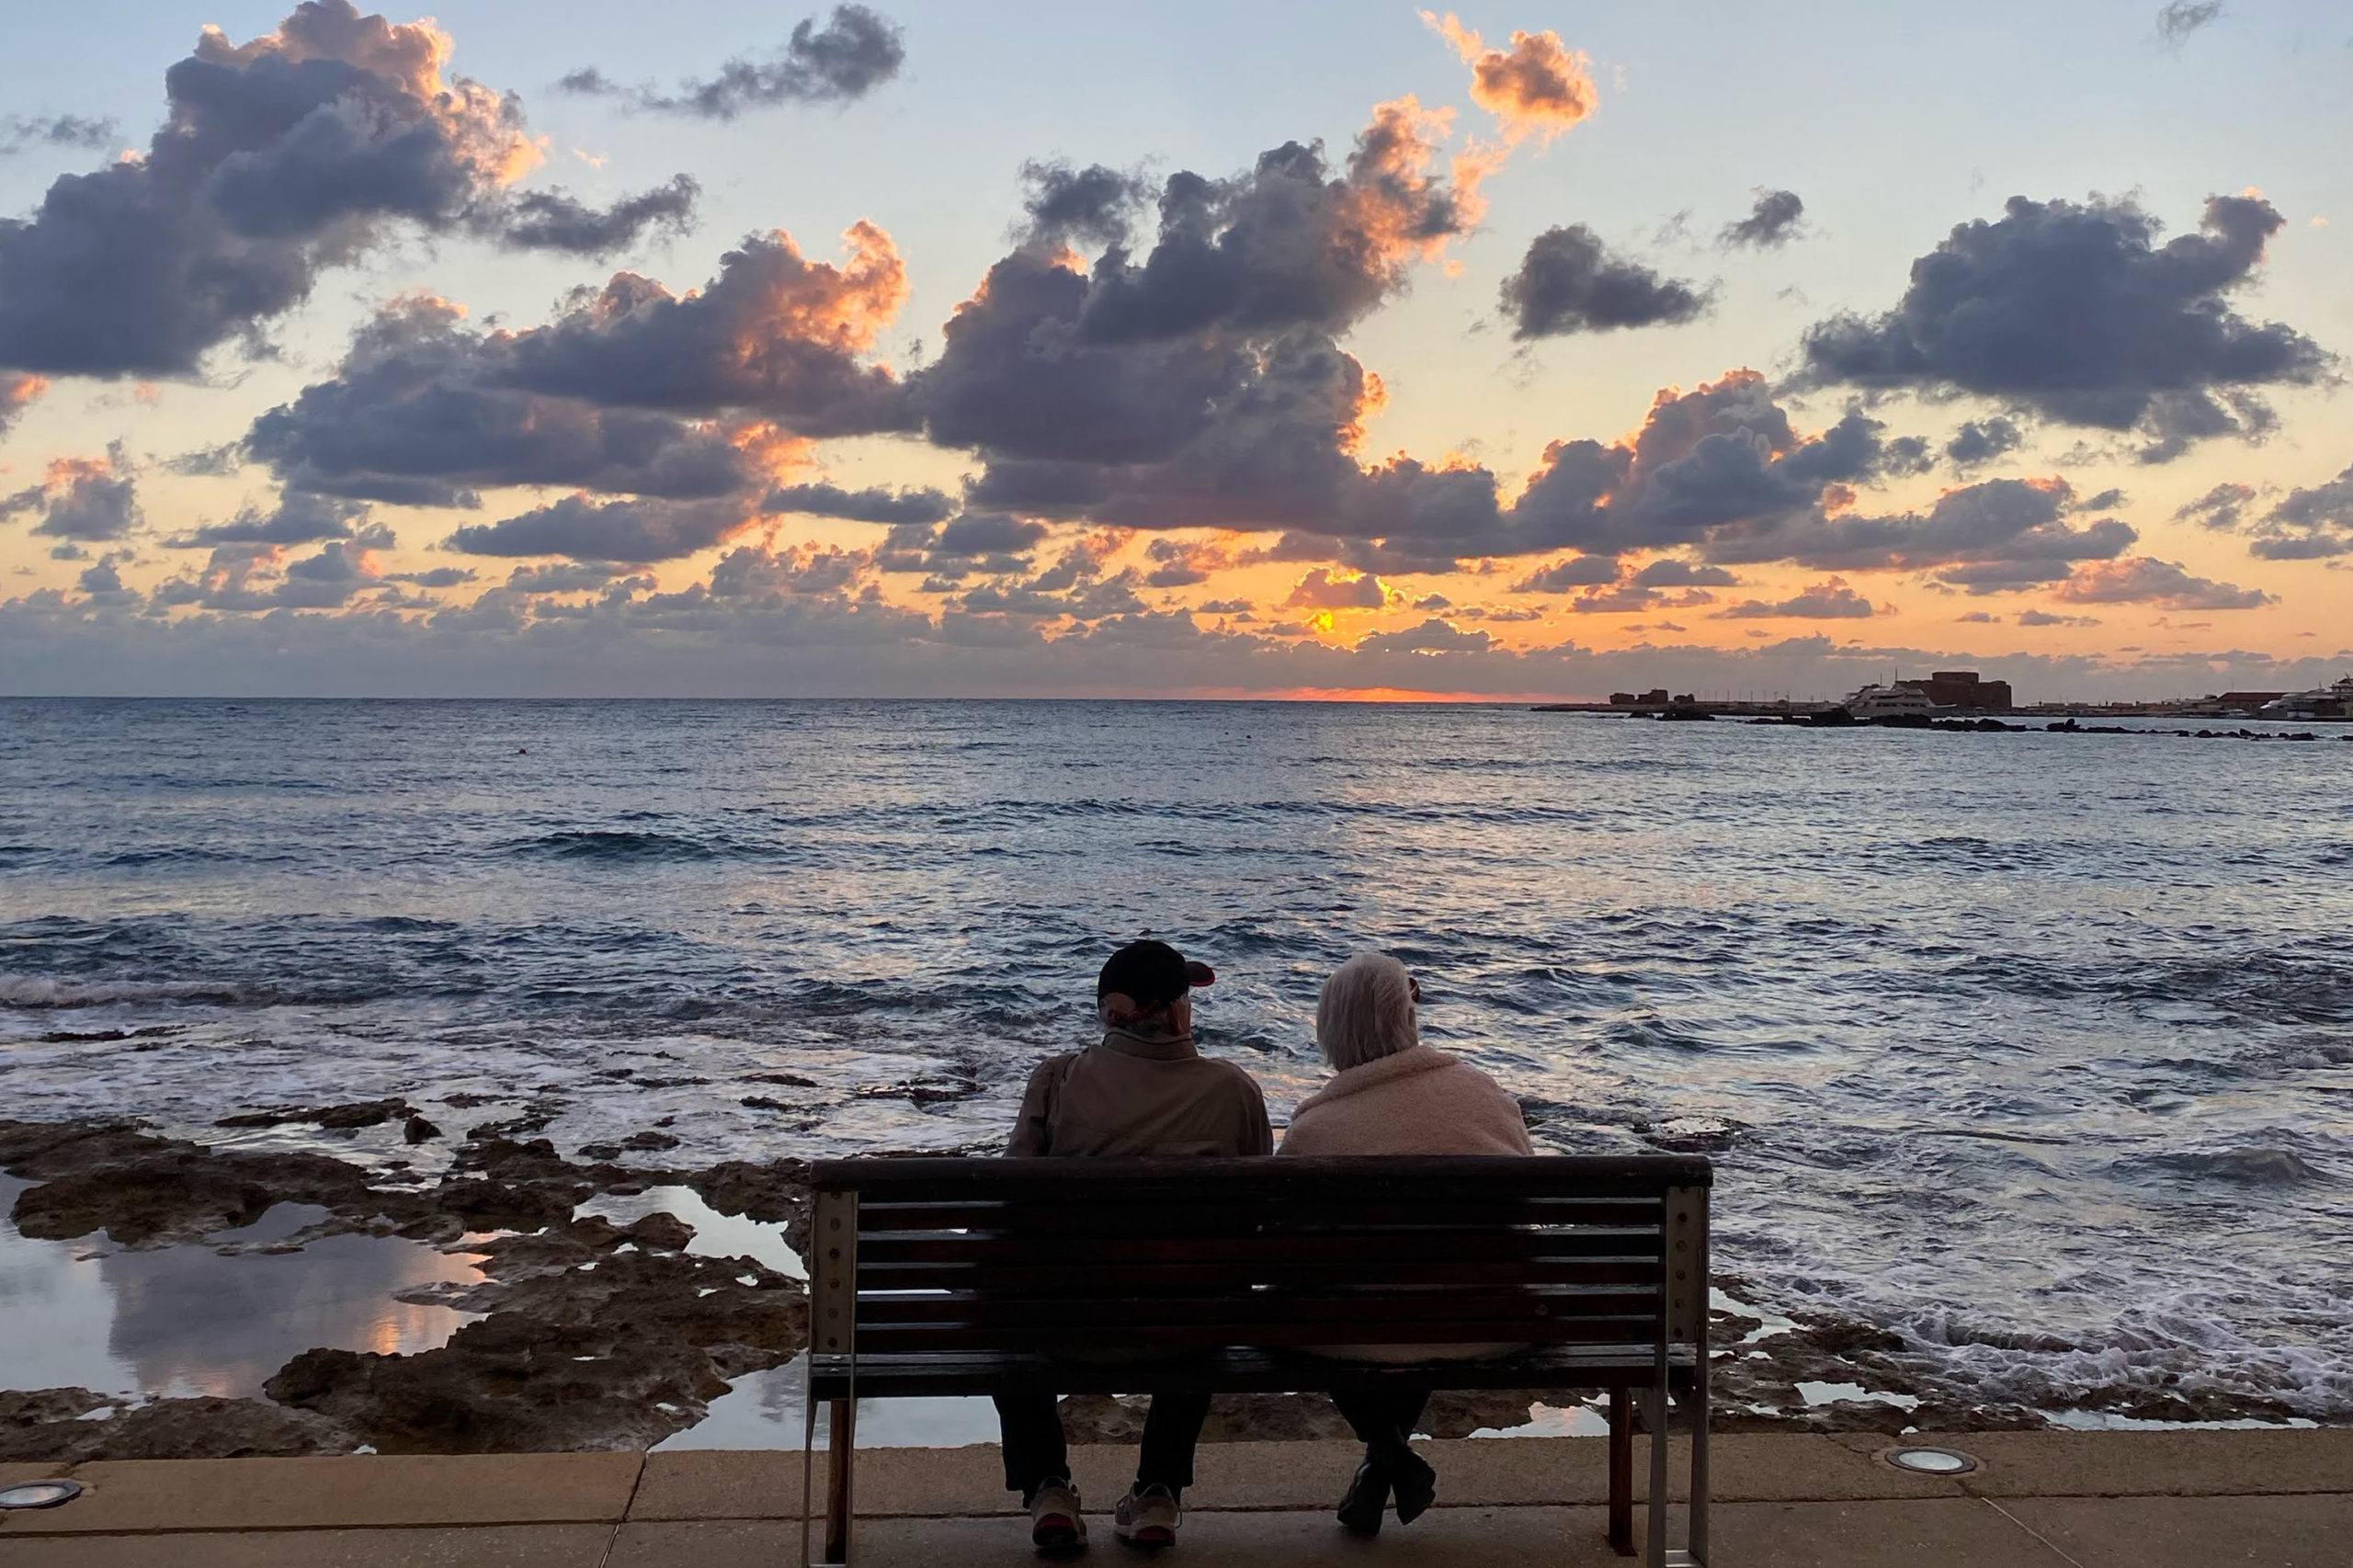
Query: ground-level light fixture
(40, 1494)
(1930, 1462)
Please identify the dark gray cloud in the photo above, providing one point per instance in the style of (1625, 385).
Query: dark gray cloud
(1982, 440)
(436, 577)
(556, 220)
(2180, 19)
(2142, 579)
(1094, 205)
(421, 412)
(298, 518)
(2073, 312)
(989, 533)
(634, 530)
(1569, 282)
(873, 504)
(1432, 636)
(82, 500)
(855, 52)
(1668, 571)
(20, 134)
(2309, 524)
(278, 158)
(18, 391)
(1576, 572)
(1778, 217)
(2001, 534)
(773, 335)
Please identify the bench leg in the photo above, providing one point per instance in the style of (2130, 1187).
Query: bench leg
(841, 1451)
(1621, 1472)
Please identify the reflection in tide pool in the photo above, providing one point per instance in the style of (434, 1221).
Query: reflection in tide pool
(716, 1234)
(192, 1320)
(763, 1410)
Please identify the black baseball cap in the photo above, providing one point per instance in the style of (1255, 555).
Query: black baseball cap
(1151, 973)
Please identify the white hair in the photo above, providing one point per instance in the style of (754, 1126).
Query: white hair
(1366, 1012)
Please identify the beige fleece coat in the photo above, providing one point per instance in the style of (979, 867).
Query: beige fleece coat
(1420, 1100)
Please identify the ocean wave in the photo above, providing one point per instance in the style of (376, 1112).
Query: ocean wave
(596, 844)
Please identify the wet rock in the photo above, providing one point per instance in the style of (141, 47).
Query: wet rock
(334, 1118)
(419, 1130)
(649, 1142)
(776, 1192)
(72, 1425)
(599, 1336)
(145, 1191)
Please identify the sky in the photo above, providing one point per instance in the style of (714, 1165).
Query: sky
(1219, 350)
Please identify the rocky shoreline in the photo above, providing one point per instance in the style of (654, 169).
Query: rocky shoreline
(597, 1336)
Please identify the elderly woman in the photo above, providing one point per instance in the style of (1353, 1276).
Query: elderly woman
(1391, 1095)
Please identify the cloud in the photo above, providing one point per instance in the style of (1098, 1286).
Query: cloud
(2180, 19)
(637, 530)
(84, 500)
(1670, 573)
(2309, 524)
(873, 505)
(1432, 636)
(2044, 618)
(1979, 618)
(1833, 601)
(1982, 440)
(1094, 204)
(1776, 218)
(856, 51)
(1539, 86)
(2075, 313)
(1577, 572)
(1568, 282)
(2220, 508)
(18, 391)
(631, 390)
(1636, 599)
(19, 133)
(437, 577)
(298, 518)
(1180, 563)
(422, 412)
(2142, 579)
(555, 221)
(1325, 589)
(990, 533)
(278, 158)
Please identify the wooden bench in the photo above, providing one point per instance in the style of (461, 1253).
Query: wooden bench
(932, 1277)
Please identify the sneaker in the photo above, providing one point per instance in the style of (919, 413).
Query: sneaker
(1148, 1516)
(1055, 1525)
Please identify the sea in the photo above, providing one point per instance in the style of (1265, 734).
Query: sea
(2033, 1049)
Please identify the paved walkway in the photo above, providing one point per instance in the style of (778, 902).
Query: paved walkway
(2105, 1500)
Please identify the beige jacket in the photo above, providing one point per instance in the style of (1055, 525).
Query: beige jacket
(1141, 1095)
(1420, 1100)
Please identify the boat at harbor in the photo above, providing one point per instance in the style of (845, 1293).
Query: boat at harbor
(1898, 701)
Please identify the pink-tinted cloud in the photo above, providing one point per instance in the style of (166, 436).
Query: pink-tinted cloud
(1539, 86)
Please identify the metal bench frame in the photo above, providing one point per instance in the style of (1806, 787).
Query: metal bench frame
(1660, 1359)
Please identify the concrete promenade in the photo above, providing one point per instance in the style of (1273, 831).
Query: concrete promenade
(2105, 1500)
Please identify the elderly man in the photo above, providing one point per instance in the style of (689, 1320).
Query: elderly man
(1144, 1090)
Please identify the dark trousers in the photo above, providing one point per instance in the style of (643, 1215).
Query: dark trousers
(1035, 1452)
(1382, 1418)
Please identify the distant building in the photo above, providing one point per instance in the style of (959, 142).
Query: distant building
(1963, 689)
(2239, 702)
(1657, 694)
(1686, 700)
